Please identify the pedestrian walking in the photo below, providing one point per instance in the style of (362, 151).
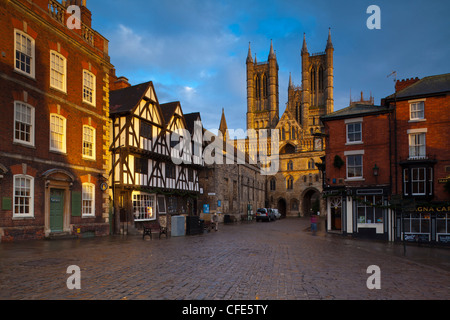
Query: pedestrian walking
(215, 219)
(313, 223)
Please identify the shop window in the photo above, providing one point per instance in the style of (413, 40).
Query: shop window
(370, 209)
(144, 206)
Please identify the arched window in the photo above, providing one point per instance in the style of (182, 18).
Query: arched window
(313, 80)
(289, 183)
(265, 87)
(311, 164)
(290, 166)
(321, 82)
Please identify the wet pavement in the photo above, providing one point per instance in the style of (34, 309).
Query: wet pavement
(278, 260)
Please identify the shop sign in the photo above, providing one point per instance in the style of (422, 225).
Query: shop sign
(441, 209)
(443, 180)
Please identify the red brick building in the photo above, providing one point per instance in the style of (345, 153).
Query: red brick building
(421, 158)
(357, 178)
(54, 81)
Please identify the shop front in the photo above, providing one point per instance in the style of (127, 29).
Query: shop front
(427, 223)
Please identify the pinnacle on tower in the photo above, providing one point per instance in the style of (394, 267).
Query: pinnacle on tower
(249, 56)
(272, 53)
(290, 81)
(329, 43)
(304, 48)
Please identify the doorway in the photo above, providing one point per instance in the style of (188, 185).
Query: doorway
(282, 207)
(336, 213)
(57, 210)
(311, 202)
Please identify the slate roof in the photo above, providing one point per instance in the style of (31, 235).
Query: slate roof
(426, 86)
(355, 110)
(125, 100)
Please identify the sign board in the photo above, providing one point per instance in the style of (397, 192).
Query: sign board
(206, 208)
(219, 203)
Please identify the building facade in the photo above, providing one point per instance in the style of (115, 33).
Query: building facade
(421, 158)
(357, 171)
(55, 127)
(154, 175)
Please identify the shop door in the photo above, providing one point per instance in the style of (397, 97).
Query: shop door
(336, 213)
(56, 210)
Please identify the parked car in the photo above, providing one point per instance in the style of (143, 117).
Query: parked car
(264, 214)
(276, 213)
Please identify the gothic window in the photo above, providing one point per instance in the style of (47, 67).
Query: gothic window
(290, 166)
(265, 87)
(313, 80)
(321, 82)
(290, 183)
(311, 164)
(258, 87)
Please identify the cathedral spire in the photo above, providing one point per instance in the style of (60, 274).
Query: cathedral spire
(272, 53)
(329, 43)
(223, 127)
(290, 81)
(304, 48)
(249, 56)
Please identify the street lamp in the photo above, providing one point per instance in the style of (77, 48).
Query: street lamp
(376, 170)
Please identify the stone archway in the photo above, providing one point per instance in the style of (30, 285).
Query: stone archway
(282, 207)
(310, 202)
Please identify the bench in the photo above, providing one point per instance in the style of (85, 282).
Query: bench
(153, 227)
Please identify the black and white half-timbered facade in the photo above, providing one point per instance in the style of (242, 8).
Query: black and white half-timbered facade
(152, 176)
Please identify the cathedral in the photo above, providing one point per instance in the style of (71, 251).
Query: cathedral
(296, 188)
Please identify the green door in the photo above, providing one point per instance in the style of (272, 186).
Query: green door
(56, 210)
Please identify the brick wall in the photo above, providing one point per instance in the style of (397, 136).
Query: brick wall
(48, 34)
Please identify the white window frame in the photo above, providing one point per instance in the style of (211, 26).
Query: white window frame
(63, 148)
(142, 201)
(352, 154)
(31, 124)
(60, 70)
(415, 179)
(88, 200)
(91, 89)
(412, 112)
(93, 143)
(30, 198)
(30, 52)
(352, 122)
(414, 147)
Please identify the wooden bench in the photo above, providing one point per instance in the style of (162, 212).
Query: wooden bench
(153, 227)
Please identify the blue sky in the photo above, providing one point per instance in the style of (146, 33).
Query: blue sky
(194, 51)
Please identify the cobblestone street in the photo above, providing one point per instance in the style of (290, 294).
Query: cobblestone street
(278, 260)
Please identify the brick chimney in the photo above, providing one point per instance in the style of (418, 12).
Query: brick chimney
(120, 83)
(402, 84)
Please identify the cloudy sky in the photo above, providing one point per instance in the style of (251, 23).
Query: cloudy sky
(194, 51)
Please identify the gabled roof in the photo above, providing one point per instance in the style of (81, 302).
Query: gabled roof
(427, 86)
(126, 99)
(355, 110)
(168, 109)
(190, 119)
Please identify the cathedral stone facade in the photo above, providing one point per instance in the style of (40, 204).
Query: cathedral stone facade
(295, 189)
